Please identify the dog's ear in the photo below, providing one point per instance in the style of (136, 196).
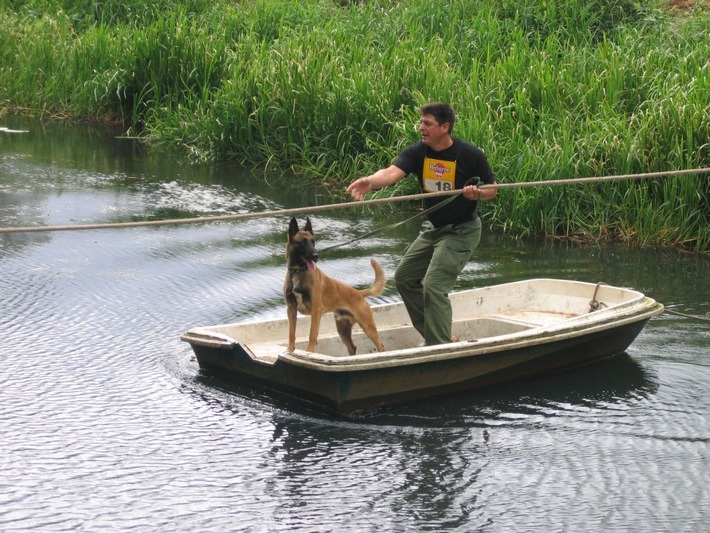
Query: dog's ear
(292, 227)
(308, 227)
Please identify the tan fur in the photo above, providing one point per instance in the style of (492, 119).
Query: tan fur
(310, 291)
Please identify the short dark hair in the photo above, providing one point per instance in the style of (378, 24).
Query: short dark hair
(442, 112)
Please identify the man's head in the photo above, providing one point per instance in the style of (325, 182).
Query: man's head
(443, 113)
(435, 124)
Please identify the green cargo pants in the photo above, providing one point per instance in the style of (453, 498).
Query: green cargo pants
(427, 273)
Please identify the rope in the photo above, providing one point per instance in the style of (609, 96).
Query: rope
(695, 317)
(473, 181)
(383, 228)
(594, 304)
(316, 209)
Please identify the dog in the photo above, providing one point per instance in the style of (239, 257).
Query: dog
(308, 290)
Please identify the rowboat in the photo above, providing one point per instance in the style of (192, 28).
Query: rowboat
(504, 332)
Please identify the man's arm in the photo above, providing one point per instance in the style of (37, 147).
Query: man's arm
(382, 178)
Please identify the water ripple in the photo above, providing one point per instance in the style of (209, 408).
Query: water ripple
(108, 424)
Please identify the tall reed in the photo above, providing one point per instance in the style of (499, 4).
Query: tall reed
(330, 90)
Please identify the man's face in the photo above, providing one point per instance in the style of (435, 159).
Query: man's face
(432, 132)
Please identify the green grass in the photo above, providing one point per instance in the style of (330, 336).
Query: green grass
(329, 90)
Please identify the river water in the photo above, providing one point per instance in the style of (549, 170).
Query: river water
(108, 424)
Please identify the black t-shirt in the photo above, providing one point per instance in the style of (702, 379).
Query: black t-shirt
(470, 162)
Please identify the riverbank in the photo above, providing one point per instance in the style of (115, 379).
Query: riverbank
(330, 90)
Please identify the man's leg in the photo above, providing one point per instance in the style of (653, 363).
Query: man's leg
(451, 253)
(409, 274)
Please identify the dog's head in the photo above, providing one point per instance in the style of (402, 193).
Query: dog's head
(301, 247)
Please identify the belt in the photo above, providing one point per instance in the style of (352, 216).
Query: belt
(459, 222)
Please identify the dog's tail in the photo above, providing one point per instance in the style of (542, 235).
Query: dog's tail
(379, 284)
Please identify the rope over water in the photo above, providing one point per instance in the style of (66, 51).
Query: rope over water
(685, 315)
(319, 208)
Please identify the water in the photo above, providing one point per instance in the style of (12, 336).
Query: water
(108, 424)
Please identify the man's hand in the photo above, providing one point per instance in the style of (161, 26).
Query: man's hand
(471, 192)
(359, 188)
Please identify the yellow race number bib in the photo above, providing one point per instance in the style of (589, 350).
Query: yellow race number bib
(439, 175)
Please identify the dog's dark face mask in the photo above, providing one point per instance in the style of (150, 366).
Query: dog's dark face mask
(302, 244)
(306, 249)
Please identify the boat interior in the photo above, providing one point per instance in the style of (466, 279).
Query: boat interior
(479, 314)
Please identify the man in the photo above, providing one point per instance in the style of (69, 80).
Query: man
(432, 263)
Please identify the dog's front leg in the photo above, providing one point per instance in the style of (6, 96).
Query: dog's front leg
(316, 313)
(292, 313)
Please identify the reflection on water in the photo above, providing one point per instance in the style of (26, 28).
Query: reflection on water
(108, 424)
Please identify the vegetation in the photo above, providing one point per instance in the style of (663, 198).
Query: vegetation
(330, 89)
